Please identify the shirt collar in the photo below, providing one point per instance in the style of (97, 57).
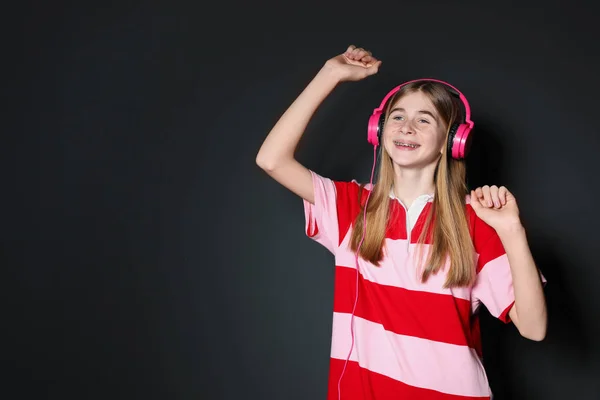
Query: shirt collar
(424, 197)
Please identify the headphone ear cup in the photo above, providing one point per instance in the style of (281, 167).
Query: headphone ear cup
(374, 128)
(451, 135)
(380, 127)
(460, 142)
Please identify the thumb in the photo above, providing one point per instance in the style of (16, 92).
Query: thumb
(373, 69)
(475, 201)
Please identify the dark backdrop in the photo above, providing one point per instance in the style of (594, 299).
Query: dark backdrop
(146, 255)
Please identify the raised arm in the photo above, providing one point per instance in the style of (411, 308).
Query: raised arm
(498, 208)
(276, 155)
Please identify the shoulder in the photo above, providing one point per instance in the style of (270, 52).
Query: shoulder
(345, 190)
(481, 232)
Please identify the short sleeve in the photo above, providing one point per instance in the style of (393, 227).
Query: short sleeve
(494, 284)
(321, 222)
(335, 206)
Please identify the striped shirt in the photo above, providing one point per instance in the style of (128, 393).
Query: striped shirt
(412, 340)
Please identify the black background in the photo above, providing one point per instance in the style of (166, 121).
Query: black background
(147, 256)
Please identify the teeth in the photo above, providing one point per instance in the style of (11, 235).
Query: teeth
(398, 143)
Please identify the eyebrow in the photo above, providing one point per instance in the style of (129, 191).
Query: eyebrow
(420, 112)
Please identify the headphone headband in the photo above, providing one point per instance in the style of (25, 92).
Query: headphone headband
(455, 91)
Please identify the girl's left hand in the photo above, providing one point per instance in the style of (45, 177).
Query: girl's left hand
(496, 206)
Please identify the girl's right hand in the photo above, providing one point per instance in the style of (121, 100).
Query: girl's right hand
(353, 65)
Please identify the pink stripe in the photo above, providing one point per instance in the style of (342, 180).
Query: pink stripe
(399, 269)
(494, 286)
(361, 384)
(417, 362)
(406, 312)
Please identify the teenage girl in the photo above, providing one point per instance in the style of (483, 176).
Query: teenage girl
(416, 253)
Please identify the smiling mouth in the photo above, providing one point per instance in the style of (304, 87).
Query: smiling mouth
(403, 144)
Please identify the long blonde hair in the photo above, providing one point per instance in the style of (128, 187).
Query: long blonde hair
(446, 223)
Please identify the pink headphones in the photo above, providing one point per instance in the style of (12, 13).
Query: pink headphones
(459, 139)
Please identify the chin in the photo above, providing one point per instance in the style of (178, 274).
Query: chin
(406, 165)
(413, 162)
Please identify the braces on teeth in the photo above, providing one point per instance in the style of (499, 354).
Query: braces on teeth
(397, 143)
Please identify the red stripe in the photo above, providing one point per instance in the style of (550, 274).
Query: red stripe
(312, 228)
(397, 226)
(347, 205)
(361, 384)
(476, 335)
(504, 317)
(432, 316)
(485, 239)
(490, 251)
(348, 209)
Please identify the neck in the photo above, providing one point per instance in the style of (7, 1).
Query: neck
(412, 183)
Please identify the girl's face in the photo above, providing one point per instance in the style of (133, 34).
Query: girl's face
(414, 135)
